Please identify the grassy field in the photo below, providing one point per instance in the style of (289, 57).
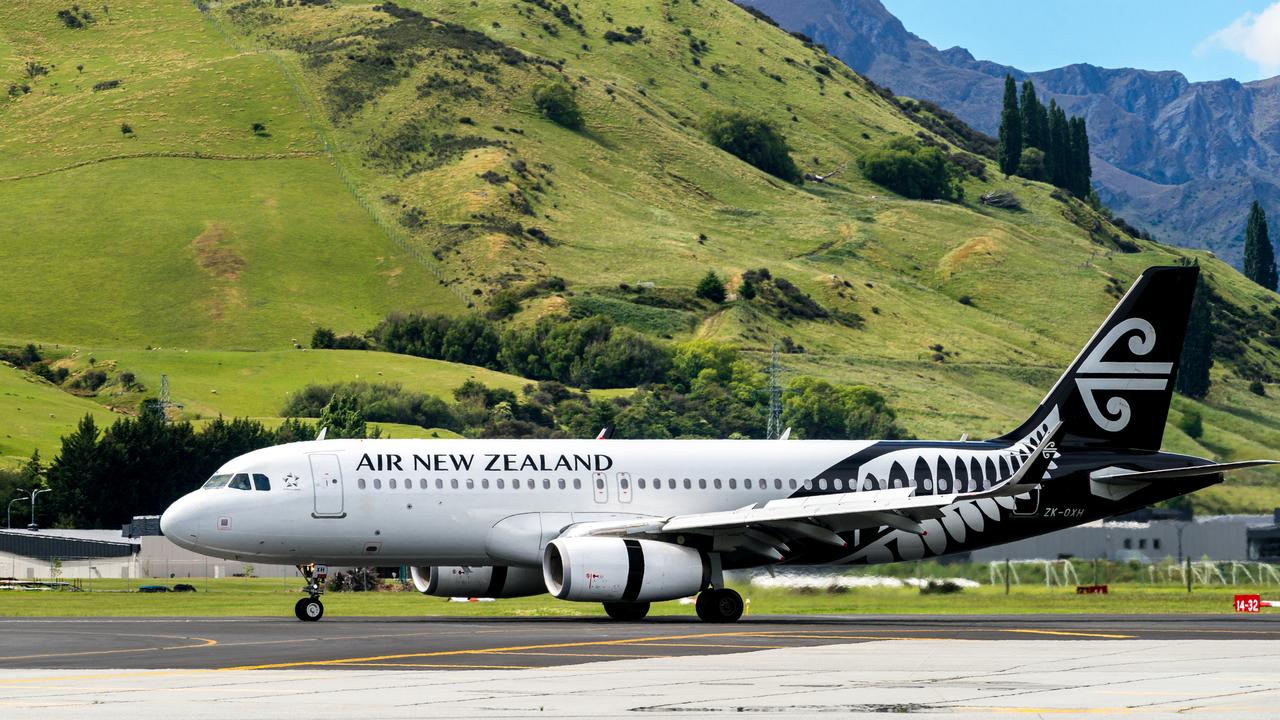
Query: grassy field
(275, 598)
(36, 415)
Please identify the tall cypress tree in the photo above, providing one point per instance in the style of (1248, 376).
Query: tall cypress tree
(1010, 149)
(1259, 255)
(1081, 169)
(1058, 154)
(1197, 349)
(1031, 109)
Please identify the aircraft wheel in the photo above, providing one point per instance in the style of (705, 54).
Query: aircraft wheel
(309, 609)
(720, 606)
(626, 611)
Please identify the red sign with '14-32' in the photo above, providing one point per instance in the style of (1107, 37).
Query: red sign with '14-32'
(1248, 603)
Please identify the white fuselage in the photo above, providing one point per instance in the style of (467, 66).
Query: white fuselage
(477, 502)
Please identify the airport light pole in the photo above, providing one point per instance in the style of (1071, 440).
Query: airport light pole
(34, 492)
(8, 523)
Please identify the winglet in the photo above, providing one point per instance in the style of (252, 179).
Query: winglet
(1028, 476)
(323, 431)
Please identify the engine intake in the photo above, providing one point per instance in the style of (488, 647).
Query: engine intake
(604, 569)
(478, 581)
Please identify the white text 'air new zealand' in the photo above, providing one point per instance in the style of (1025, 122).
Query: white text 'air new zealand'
(628, 522)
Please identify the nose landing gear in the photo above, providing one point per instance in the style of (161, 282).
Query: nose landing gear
(310, 609)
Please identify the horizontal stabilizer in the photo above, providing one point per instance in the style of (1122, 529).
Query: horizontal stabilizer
(1116, 474)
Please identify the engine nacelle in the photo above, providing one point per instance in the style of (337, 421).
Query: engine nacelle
(478, 581)
(606, 569)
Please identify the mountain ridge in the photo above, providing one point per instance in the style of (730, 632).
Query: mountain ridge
(1211, 146)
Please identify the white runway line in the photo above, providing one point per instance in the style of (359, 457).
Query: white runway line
(966, 679)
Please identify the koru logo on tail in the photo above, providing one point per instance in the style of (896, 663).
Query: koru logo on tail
(1102, 376)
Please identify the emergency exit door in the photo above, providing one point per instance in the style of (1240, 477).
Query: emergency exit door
(326, 483)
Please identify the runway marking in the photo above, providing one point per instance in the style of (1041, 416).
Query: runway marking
(204, 642)
(711, 645)
(1013, 710)
(442, 665)
(482, 651)
(795, 636)
(600, 655)
(112, 676)
(1027, 631)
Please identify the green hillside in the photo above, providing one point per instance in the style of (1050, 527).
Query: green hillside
(401, 144)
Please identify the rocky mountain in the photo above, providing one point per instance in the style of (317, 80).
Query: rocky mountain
(1180, 159)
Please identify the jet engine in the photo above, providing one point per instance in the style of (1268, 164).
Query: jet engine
(478, 581)
(607, 569)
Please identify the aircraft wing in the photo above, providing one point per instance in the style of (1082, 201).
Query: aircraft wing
(762, 527)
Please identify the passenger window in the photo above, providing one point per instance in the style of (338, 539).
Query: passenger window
(717, 483)
(422, 483)
(777, 483)
(391, 484)
(377, 483)
(702, 483)
(546, 483)
(471, 484)
(484, 483)
(360, 483)
(217, 481)
(501, 485)
(239, 482)
(671, 483)
(733, 484)
(687, 484)
(746, 484)
(640, 482)
(577, 484)
(560, 483)
(792, 482)
(454, 483)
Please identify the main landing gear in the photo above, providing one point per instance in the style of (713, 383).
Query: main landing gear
(719, 605)
(310, 609)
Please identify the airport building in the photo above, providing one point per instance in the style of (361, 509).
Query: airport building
(1149, 537)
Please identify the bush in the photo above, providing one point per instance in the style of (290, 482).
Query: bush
(322, 339)
(1257, 388)
(378, 403)
(556, 102)
(755, 141)
(909, 169)
(711, 287)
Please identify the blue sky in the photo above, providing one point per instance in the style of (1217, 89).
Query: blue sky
(1204, 40)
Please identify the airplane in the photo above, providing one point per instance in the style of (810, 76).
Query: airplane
(629, 522)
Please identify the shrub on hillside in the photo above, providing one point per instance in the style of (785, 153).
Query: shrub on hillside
(374, 402)
(556, 102)
(711, 287)
(909, 169)
(1192, 424)
(754, 141)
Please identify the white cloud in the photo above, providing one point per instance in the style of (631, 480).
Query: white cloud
(1255, 36)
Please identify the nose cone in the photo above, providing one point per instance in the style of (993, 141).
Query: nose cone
(180, 523)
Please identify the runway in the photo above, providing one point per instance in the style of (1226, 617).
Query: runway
(522, 643)
(957, 666)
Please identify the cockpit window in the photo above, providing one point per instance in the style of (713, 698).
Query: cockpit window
(216, 482)
(240, 482)
(261, 482)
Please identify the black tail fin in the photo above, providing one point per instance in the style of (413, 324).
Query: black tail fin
(1116, 393)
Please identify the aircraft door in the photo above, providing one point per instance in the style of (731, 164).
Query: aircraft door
(600, 485)
(624, 487)
(326, 483)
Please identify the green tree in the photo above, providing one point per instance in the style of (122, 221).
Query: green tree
(1032, 165)
(1197, 349)
(1009, 152)
(1032, 113)
(910, 169)
(556, 103)
(1259, 254)
(754, 141)
(74, 474)
(323, 339)
(1081, 168)
(711, 287)
(817, 409)
(343, 418)
(1058, 154)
